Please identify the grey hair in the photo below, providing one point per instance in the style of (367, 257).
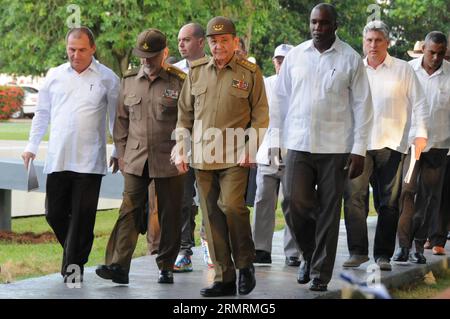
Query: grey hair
(379, 26)
(436, 37)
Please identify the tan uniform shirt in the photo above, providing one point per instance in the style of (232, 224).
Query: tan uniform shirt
(145, 119)
(213, 100)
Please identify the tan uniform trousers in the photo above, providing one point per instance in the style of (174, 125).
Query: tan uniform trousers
(123, 239)
(227, 220)
(153, 229)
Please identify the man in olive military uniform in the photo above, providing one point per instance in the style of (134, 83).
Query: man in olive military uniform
(220, 93)
(146, 117)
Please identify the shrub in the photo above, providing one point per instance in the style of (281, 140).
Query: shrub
(11, 99)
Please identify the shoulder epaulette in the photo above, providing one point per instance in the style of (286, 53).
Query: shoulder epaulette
(247, 64)
(131, 72)
(175, 71)
(200, 61)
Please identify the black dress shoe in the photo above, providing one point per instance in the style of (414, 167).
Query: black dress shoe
(303, 272)
(113, 272)
(247, 281)
(262, 257)
(317, 285)
(165, 277)
(218, 289)
(401, 256)
(417, 258)
(292, 261)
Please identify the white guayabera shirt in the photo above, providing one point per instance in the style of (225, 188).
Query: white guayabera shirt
(272, 137)
(76, 107)
(437, 92)
(398, 101)
(183, 66)
(324, 100)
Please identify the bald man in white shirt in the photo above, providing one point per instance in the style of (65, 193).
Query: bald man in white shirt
(396, 96)
(325, 115)
(191, 45)
(75, 99)
(421, 196)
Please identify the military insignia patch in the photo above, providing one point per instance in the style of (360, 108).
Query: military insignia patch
(240, 84)
(171, 94)
(218, 27)
(145, 46)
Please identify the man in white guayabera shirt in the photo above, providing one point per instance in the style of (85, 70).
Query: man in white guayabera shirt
(421, 196)
(269, 176)
(326, 115)
(396, 96)
(75, 99)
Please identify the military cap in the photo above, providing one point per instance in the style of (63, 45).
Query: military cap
(150, 43)
(220, 25)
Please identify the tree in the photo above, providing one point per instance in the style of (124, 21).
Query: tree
(33, 31)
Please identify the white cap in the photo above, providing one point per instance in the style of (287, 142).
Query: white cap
(282, 50)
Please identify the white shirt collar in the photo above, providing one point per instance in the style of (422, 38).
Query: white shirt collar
(337, 45)
(387, 62)
(93, 67)
(444, 68)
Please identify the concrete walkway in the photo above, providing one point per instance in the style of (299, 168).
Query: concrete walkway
(275, 281)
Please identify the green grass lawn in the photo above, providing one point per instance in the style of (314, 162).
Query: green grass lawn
(17, 131)
(422, 290)
(20, 261)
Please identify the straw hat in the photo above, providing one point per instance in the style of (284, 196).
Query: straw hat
(417, 51)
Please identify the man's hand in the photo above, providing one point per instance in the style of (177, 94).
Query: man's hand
(247, 161)
(26, 156)
(274, 154)
(114, 163)
(179, 159)
(356, 165)
(121, 165)
(420, 143)
(182, 167)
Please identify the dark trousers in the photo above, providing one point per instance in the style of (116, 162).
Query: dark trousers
(251, 187)
(383, 168)
(189, 211)
(123, 239)
(439, 222)
(421, 197)
(312, 205)
(72, 200)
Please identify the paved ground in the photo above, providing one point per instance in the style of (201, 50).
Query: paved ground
(275, 281)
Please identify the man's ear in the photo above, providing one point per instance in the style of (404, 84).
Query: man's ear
(201, 42)
(236, 42)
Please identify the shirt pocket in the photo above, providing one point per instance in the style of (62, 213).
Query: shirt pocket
(336, 82)
(134, 105)
(95, 92)
(167, 109)
(199, 93)
(444, 98)
(239, 101)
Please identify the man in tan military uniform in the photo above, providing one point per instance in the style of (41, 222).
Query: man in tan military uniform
(146, 117)
(220, 93)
